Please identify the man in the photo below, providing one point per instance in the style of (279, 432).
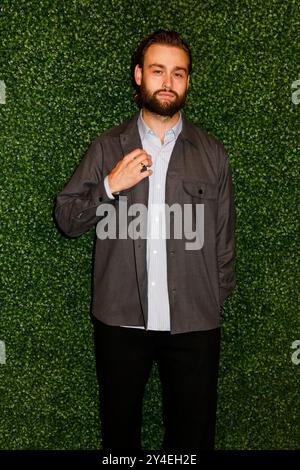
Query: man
(154, 297)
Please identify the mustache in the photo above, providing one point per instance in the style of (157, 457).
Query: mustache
(166, 91)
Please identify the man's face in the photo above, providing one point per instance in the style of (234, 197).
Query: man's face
(164, 79)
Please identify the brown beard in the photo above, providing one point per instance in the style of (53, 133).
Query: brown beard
(151, 102)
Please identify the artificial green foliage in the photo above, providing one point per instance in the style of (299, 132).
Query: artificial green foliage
(66, 67)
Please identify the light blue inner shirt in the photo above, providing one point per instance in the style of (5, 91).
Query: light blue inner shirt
(158, 298)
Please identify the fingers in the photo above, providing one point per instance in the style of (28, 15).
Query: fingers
(132, 155)
(143, 159)
(136, 156)
(130, 170)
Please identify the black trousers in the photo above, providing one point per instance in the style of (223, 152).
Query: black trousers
(188, 367)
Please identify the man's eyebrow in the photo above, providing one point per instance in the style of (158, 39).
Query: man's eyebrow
(157, 65)
(181, 68)
(163, 67)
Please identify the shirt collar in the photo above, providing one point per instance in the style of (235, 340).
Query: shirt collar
(144, 130)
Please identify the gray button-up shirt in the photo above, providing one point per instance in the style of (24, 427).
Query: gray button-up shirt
(158, 298)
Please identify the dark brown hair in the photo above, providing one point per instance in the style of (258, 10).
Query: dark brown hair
(164, 37)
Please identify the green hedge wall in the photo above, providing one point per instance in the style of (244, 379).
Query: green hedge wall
(66, 69)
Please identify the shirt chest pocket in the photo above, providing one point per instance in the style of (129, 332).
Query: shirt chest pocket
(200, 190)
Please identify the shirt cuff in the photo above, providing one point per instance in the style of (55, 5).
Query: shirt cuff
(107, 188)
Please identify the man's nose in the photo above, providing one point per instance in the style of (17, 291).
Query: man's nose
(167, 83)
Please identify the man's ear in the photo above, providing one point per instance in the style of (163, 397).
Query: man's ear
(138, 75)
(188, 81)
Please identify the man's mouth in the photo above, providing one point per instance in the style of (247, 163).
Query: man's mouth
(166, 95)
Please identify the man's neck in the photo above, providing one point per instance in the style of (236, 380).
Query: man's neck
(160, 124)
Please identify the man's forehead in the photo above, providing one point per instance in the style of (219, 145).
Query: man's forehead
(163, 53)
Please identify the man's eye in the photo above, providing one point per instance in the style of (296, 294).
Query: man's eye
(157, 72)
(178, 75)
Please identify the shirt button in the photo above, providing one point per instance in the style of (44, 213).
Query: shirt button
(153, 283)
(156, 219)
(172, 252)
(155, 252)
(158, 186)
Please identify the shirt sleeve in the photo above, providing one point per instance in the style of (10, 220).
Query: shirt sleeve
(225, 230)
(76, 206)
(107, 188)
